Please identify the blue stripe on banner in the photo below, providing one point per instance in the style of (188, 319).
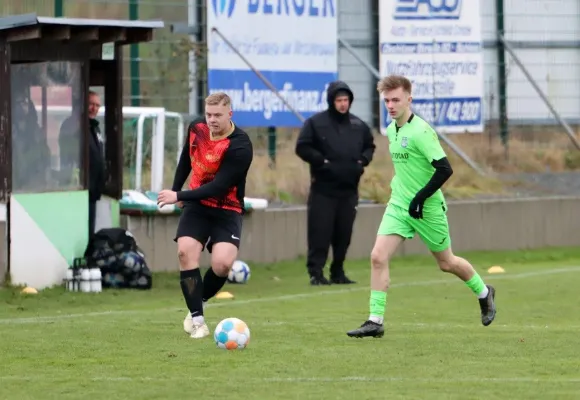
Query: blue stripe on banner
(431, 47)
(448, 112)
(424, 17)
(255, 105)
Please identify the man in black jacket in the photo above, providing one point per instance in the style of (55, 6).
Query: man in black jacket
(338, 146)
(70, 153)
(97, 160)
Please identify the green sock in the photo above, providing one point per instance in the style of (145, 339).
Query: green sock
(378, 302)
(476, 284)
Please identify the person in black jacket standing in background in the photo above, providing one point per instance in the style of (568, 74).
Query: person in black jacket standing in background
(69, 143)
(97, 160)
(338, 146)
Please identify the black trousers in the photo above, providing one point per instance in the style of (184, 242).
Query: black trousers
(330, 222)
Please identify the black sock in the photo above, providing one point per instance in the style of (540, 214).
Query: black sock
(212, 284)
(192, 289)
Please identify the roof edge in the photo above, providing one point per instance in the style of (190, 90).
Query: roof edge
(16, 21)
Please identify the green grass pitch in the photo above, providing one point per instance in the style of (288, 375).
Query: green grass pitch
(131, 345)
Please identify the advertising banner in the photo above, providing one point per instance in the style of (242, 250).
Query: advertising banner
(437, 44)
(291, 43)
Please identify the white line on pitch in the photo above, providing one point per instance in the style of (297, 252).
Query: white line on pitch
(350, 379)
(420, 380)
(24, 320)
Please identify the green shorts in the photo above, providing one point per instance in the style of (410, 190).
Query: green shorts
(433, 229)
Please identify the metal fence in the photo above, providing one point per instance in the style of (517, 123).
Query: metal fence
(532, 81)
(155, 73)
(545, 36)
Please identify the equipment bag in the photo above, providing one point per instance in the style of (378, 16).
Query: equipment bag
(122, 263)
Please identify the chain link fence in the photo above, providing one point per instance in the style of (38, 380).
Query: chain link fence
(532, 85)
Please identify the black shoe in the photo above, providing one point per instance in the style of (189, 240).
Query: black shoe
(368, 328)
(318, 280)
(487, 306)
(341, 280)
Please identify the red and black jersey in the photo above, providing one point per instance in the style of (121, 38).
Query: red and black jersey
(218, 168)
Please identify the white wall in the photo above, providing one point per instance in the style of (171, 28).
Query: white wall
(34, 260)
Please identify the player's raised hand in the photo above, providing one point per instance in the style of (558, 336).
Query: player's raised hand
(166, 197)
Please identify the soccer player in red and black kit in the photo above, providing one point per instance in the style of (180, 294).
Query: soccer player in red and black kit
(218, 154)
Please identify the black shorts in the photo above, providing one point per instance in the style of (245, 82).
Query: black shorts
(209, 225)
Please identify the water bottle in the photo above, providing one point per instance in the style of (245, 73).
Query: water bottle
(85, 280)
(70, 279)
(96, 284)
(76, 272)
(76, 280)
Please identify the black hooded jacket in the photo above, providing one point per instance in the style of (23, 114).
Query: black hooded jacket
(337, 146)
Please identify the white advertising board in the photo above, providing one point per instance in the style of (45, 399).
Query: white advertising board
(437, 44)
(293, 43)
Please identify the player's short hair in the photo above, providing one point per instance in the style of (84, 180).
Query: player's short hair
(218, 99)
(393, 82)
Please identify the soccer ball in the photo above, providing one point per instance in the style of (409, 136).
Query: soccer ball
(232, 334)
(131, 262)
(240, 272)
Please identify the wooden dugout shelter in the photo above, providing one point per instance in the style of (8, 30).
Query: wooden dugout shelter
(42, 58)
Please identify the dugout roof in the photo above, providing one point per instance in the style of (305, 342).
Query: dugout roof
(22, 27)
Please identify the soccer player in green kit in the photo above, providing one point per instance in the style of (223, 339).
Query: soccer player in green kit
(416, 205)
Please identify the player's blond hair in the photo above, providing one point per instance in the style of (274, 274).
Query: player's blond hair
(393, 82)
(218, 99)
